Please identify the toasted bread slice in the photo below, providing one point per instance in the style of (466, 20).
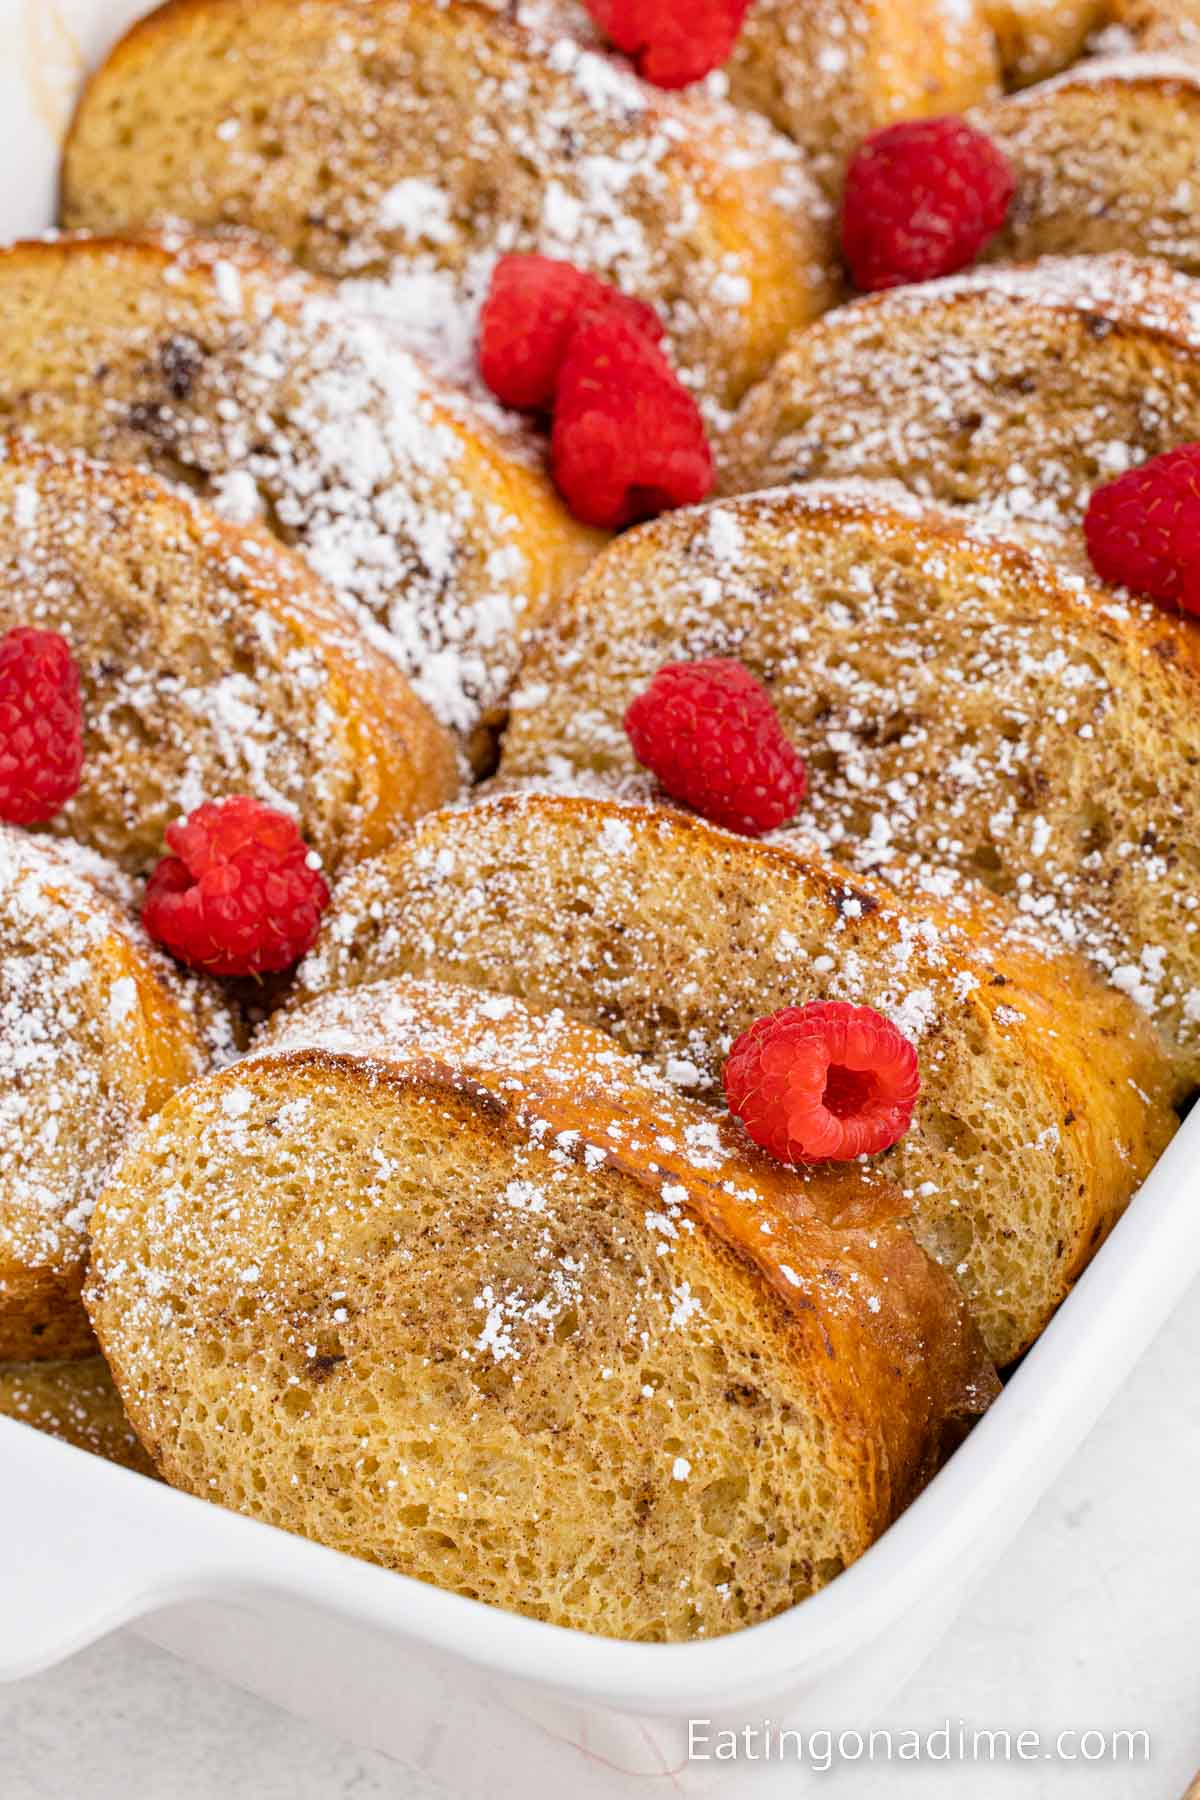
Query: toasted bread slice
(831, 71)
(412, 139)
(523, 1321)
(1037, 38)
(76, 1402)
(96, 1029)
(211, 661)
(1107, 157)
(1029, 1136)
(1011, 391)
(221, 367)
(961, 704)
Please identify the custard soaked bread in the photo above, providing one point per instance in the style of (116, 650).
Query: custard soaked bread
(1105, 158)
(466, 1291)
(76, 1402)
(960, 704)
(96, 1030)
(418, 139)
(1036, 38)
(211, 662)
(829, 72)
(221, 367)
(1028, 1137)
(1011, 391)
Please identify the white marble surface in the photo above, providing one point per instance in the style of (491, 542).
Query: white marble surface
(1093, 1621)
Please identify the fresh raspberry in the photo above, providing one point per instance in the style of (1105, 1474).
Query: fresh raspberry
(1143, 529)
(532, 308)
(823, 1083)
(921, 200)
(710, 733)
(41, 725)
(241, 895)
(672, 43)
(628, 441)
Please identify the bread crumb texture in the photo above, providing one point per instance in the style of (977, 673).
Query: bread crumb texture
(469, 1292)
(75, 1402)
(225, 370)
(405, 145)
(1044, 1098)
(970, 713)
(96, 1030)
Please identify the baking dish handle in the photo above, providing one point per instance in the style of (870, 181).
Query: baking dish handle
(83, 1549)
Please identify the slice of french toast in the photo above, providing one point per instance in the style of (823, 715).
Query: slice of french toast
(831, 71)
(96, 1030)
(962, 705)
(465, 1290)
(75, 1402)
(211, 661)
(1045, 1097)
(1106, 157)
(1013, 392)
(223, 368)
(410, 142)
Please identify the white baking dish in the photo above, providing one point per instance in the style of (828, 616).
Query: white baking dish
(472, 1697)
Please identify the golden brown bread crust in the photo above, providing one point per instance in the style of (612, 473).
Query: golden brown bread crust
(532, 138)
(221, 367)
(1037, 38)
(76, 1402)
(962, 704)
(829, 72)
(611, 1368)
(211, 661)
(674, 936)
(96, 1030)
(1106, 158)
(1010, 391)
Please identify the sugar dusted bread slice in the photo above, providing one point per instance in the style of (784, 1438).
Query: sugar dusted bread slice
(466, 1291)
(1037, 38)
(830, 71)
(1107, 157)
(961, 704)
(1029, 1136)
(211, 661)
(96, 1030)
(1009, 391)
(76, 1402)
(417, 139)
(223, 368)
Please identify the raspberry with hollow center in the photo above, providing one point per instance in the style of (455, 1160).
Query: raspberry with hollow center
(1143, 529)
(533, 306)
(823, 1083)
(41, 725)
(710, 733)
(628, 441)
(242, 894)
(672, 44)
(922, 199)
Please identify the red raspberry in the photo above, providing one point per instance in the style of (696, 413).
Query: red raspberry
(41, 725)
(922, 199)
(241, 895)
(823, 1083)
(628, 441)
(1143, 529)
(532, 308)
(673, 43)
(709, 732)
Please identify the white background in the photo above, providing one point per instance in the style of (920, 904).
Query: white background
(1093, 1620)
